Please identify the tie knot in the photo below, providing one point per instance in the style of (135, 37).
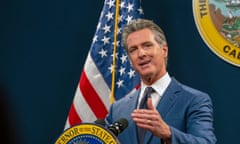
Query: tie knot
(148, 91)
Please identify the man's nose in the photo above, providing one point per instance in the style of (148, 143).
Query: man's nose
(141, 52)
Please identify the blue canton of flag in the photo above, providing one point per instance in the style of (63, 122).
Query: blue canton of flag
(102, 47)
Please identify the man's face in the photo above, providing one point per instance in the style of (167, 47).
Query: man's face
(146, 55)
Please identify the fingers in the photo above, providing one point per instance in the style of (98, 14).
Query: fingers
(146, 119)
(149, 104)
(151, 120)
(142, 115)
(144, 112)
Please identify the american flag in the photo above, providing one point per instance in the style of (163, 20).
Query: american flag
(107, 74)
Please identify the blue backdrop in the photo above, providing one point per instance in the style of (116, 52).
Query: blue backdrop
(43, 46)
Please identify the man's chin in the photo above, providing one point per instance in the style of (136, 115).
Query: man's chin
(147, 77)
(146, 73)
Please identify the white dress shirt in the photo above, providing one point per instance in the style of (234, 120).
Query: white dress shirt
(159, 86)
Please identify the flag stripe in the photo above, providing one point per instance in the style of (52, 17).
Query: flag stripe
(92, 97)
(97, 81)
(73, 116)
(83, 110)
(67, 125)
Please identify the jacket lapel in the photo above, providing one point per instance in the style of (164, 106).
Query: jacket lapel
(168, 98)
(165, 104)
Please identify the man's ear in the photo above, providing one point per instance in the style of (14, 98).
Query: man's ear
(165, 48)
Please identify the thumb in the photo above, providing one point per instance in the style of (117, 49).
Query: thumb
(149, 104)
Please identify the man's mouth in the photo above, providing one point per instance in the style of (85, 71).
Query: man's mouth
(144, 64)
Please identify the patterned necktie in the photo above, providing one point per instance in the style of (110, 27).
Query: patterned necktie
(143, 105)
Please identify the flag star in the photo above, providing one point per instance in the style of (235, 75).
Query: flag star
(103, 53)
(131, 73)
(105, 40)
(120, 18)
(117, 44)
(124, 58)
(122, 5)
(140, 10)
(109, 16)
(116, 55)
(122, 71)
(119, 31)
(110, 3)
(111, 68)
(106, 28)
(130, 7)
(120, 83)
(129, 19)
(95, 38)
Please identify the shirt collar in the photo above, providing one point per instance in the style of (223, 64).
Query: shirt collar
(160, 85)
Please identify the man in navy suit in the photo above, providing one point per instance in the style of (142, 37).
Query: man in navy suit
(175, 113)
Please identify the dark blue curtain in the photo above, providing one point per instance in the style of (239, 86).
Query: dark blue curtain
(43, 46)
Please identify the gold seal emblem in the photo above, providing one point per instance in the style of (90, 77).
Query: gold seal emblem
(87, 133)
(218, 22)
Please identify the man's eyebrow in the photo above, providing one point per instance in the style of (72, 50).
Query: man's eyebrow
(147, 42)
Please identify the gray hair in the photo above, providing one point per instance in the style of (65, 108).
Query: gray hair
(140, 24)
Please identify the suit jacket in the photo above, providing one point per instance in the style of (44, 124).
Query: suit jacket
(187, 111)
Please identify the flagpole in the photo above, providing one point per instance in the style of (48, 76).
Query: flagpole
(112, 99)
(114, 51)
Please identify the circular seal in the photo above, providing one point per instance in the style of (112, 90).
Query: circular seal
(87, 133)
(218, 22)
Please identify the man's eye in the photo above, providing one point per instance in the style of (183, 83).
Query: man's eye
(131, 50)
(148, 45)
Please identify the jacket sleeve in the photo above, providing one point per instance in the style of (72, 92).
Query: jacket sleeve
(199, 124)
